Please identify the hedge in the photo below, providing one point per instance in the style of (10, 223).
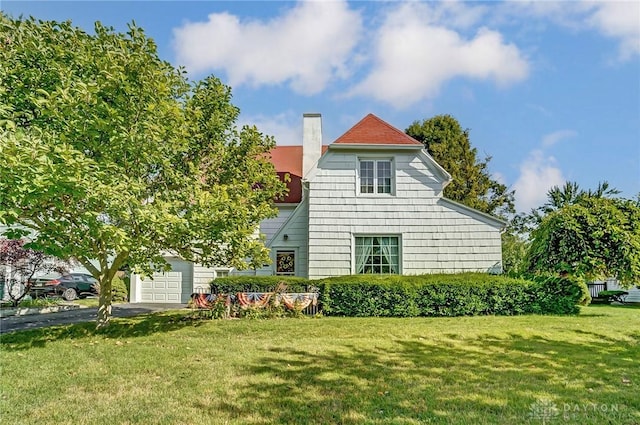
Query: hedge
(233, 284)
(464, 294)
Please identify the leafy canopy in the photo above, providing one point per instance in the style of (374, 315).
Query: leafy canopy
(111, 156)
(593, 236)
(472, 184)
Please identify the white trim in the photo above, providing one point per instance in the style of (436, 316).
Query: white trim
(375, 159)
(374, 147)
(472, 212)
(374, 235)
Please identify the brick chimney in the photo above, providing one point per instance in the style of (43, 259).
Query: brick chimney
(311, 142)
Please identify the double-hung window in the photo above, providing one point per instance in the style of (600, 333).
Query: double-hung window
(376, 176)
(377, 255)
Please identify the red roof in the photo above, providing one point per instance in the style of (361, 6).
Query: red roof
(371, 130)
(288, 160)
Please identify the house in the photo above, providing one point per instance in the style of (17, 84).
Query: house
(370, 202)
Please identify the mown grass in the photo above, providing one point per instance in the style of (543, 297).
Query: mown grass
(164, 369)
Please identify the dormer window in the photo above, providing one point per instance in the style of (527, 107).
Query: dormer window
(376, 176)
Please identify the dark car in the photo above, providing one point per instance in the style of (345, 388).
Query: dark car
(68, 286)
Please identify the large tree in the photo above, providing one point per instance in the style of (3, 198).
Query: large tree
(110, 156)
(593, 236)
(449, 144)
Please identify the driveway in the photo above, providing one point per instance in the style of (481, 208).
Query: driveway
(20, 323)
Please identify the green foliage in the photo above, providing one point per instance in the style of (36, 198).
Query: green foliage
(464, 294)
(514, 254)
(472, 184)
(119, 289)
(558, 295)
(110, 154)
(234, 284)
(38, 302)
(609, 296)
(595, 237)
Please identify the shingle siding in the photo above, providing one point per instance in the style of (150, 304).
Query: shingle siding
(434, 236)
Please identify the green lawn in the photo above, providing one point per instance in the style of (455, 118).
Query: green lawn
(162, 369)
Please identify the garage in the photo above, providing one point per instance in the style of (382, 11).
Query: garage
(174, 286)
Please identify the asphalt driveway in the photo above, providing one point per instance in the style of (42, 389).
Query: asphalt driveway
(19, 323)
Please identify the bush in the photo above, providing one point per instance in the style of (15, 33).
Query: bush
(119, 290)
(234, 284)
(609, 296)
(558, 295)
(463, 294)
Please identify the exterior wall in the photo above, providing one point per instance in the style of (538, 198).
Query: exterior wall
(270, 226)
(435, 235)
(202, 276)
(297, 231)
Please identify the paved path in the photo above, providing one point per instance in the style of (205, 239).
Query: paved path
(19, 323)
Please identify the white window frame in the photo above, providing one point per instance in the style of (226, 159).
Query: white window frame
(384, 235)
(376, 161)
(222, 273)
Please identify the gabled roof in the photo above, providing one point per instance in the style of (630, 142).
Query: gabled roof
(370, 133)
(371, 130)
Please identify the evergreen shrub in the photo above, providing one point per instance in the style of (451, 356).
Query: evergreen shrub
(463, 294)
(234, 284)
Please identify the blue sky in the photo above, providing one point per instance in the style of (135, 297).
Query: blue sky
(549, 90)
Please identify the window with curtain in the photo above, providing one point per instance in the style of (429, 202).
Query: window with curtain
(376, 176)
(377, 255)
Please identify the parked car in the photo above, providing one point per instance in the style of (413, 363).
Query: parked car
(68, 286)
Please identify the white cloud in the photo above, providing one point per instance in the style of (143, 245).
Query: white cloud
(307, 46)
(538, 174)
(620, 20)
(285, 128)
(557, 136)
(414, 57)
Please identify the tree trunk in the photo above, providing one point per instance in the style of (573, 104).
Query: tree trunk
(104, 304)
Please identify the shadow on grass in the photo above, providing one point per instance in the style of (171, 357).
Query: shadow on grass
(129, 327)
(411, 380)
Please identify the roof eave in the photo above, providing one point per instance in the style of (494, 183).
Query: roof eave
(488, 218)
(374, 146)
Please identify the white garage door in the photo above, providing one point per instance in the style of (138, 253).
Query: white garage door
(170, 287)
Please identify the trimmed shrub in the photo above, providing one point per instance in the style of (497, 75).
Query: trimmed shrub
(558, 295)
(119, 289)
(233, 284)
(610, 296)
(464, 294)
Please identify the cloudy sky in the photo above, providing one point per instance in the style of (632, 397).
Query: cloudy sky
(549, 90)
